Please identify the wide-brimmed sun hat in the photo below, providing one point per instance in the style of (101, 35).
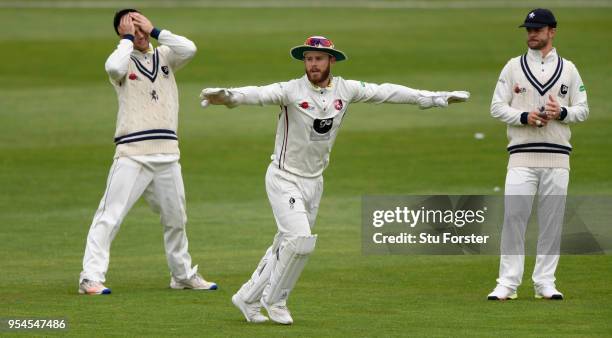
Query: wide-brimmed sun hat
(317, 44)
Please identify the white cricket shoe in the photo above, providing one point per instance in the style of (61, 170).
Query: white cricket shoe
(90, 287)
(278, 313)
(548, 292)
(196, 282)
(251, 311)
(502, 293)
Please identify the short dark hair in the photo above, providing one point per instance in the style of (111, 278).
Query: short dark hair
(119, 15)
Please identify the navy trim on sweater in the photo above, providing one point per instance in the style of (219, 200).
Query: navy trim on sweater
(539, 147)
(152, 134)
(542, 88)
(540, 151)
(150, 74)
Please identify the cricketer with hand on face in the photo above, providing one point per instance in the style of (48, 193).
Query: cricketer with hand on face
(312, 109)
(147, 153)
(537, 95)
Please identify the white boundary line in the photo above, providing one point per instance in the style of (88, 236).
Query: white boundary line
(370, 4)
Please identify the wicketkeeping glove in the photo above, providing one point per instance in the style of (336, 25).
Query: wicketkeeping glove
(216, 96)
(443, 99)
(457, 96)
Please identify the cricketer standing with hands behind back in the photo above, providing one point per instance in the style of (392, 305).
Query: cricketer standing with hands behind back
(311, 111)
(538, 94)
(147, 154)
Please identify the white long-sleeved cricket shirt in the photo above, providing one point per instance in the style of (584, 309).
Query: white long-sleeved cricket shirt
(310, 116)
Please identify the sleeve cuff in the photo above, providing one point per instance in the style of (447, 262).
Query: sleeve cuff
(524, 117)
(155, 33)
(563, 114)
(128, 37)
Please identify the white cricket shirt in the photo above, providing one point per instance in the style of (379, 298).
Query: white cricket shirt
(310, 116)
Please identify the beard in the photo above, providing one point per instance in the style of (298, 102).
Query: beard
(318, 77)
(537, 44)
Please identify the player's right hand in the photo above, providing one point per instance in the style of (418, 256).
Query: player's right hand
(536, 119)
(216, 96)
(457, 96)
(126, 26)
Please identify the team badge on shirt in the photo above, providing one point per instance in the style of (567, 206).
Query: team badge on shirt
(291, 202)
(338, 104)
(563, 90)
(154, 95)
(166, 71)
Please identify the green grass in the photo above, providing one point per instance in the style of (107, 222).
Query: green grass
(58, 112)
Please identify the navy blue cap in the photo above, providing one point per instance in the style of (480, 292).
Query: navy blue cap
(540, 17)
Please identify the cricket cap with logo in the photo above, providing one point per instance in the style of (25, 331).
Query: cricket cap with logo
(317, 44)
(538, 18)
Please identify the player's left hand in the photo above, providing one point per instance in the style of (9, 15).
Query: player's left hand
(553, 108)
(142, 22)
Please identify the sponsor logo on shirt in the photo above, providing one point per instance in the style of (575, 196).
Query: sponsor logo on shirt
(323, 126)
(321, 129)
(519, 90)
(307, 106)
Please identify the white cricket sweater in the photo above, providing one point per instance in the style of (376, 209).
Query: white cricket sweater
(147, 118)
(310, 117)
(523, 86)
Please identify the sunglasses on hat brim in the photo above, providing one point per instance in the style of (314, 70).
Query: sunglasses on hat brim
(319, 42)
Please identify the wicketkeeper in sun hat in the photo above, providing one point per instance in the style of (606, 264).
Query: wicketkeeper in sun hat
(311, 112)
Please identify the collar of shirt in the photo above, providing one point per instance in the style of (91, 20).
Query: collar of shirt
(149, 51)
(317, 88)
(535, 55)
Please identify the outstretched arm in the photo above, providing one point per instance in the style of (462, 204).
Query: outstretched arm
(251, 95)
(392, 93)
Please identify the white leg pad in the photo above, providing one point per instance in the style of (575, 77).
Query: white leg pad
(252, 290)
(291, 257)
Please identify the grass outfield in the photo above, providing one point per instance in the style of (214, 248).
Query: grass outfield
(57, 112)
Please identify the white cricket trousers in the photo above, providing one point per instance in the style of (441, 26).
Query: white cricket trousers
(158, 178)
(295, 203)
(522, 184)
